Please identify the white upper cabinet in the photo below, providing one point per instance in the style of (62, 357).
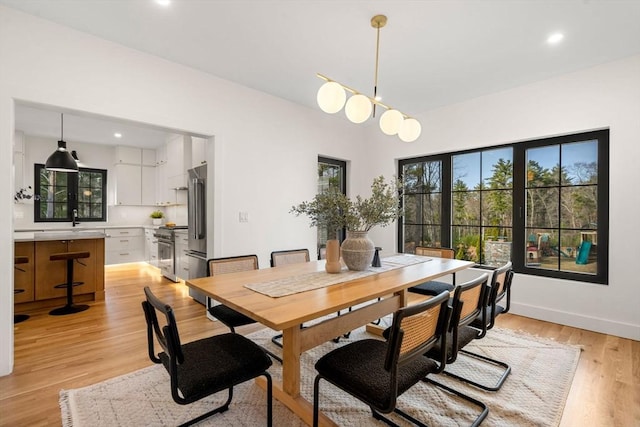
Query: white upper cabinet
(178, 161)
(128, 185)
(149, 186)
(135, 176)
(198, 151)
(18, 159)
(148, 157)
(128, 155)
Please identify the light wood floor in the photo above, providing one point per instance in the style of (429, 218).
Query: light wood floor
(53, 353)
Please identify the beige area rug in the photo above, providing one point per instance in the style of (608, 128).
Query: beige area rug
(533, 395)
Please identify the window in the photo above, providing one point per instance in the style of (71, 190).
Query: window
(536, 203)
(57, 194)
(331, 174)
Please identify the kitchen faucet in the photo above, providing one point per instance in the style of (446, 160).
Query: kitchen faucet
(75, 217)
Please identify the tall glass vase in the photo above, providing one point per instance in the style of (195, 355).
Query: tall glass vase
(357, 250)
(332, 264)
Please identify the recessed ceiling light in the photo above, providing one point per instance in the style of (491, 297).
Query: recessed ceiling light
(117, 135)
(164, 3)
(555, 38)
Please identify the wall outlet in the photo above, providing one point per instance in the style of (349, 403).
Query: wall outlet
(243, 216)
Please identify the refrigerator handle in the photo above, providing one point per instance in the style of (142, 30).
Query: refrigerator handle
(200, 210)
(197, 212)
(192, 208)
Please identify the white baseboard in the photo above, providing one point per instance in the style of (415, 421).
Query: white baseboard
(603, 326)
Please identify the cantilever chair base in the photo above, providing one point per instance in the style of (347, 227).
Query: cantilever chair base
(501, 380)
(485, 410)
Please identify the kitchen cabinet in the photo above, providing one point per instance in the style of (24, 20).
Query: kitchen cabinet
(49, 273)
(18, 160)
(23, 274)
(178, 161)
(135, 177)
(124, 245)
(151, 247)
(182, 261)
(148, 186)
(198, 151)
(128, 185)
(148, 157)
(128, 155)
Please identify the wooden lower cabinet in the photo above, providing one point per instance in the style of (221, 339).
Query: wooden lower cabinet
(23, 273)
(51, 273)
(41, 275)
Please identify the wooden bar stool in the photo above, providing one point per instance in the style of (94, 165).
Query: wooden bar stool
(18, 259)
(70, 257)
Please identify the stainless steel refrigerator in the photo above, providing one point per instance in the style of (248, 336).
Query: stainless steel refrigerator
(197, 223)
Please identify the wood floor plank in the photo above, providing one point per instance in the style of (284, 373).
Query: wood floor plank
(109, 339)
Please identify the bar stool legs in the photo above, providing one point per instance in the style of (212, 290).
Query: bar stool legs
(17, 318)
(70, 307)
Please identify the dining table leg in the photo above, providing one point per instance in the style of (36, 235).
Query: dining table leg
(291, 361)
(288, 392)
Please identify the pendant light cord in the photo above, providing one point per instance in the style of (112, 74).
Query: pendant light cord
(61, 127)
(375, 76)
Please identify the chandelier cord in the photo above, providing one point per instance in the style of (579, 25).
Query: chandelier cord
(375, 76)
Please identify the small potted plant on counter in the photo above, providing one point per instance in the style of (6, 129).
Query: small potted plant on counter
(156, 217)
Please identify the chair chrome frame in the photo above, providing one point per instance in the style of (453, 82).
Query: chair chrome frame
(227, 315)
(168, 338)
(499, 289)
(407, 343)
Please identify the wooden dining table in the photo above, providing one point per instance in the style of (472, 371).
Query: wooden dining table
(385, 292)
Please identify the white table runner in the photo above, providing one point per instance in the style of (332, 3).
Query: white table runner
(320, 279)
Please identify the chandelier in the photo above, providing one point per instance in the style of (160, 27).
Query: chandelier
(359, 107)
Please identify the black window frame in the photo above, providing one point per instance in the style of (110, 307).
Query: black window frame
(342, 165)
(519, 202)
(72, 195)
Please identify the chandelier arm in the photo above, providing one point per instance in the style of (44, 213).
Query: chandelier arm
(357, 92)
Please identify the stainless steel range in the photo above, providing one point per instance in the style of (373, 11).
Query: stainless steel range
(167, 250)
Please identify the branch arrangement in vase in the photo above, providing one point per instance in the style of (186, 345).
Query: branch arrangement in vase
(335, 211)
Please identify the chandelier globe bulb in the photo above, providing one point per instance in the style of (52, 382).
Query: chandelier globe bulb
(390, 122)
(331, 97)
(409, 130)
(358, 108)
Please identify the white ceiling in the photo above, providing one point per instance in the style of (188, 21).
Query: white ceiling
(432, 53)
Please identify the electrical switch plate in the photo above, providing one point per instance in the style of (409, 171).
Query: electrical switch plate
(243, 216)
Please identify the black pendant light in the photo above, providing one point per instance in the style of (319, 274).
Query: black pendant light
(61, 160)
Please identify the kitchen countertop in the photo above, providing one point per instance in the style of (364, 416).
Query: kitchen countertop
(38, 236)
(69, 233)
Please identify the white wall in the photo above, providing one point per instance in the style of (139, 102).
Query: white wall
(606, 96)
(261, 142)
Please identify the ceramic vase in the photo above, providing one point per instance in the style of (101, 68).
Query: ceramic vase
(332, 256)
(357, 250)
(156, 221)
